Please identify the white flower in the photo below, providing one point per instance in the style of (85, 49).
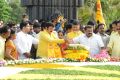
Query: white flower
(6, 64)
(105, 60)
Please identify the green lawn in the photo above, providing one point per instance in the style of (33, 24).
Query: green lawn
(68, 72)
(106, 72)
(106, 67)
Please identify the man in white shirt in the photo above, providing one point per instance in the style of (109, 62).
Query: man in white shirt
(24, 41)
(91, 40)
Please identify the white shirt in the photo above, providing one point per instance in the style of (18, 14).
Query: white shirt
(23, 43)
(2, 47)
(94, 43)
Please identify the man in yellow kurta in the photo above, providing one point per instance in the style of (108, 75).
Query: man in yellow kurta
(114, 43)
(47, 46)
(75, 30)
(74, 34)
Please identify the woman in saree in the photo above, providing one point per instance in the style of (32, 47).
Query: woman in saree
(10, 49)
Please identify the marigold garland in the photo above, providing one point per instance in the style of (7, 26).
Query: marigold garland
(76, 52)
(42, 65)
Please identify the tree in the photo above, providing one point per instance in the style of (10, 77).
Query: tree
(17, 10)
(111, 11)
(4, 11)
(87, 12)
(11, 10)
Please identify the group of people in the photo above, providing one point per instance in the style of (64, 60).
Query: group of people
(39, 39)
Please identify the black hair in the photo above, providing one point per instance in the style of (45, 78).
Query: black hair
(43, 25)
(11, 33)
(110, 26)
(75, 22)
(109, 31)
(11, 24)
(100, 24)
(91, 23)
(60, 31)
(48, 24)
(88, 26)
(115, 22)
(71, 21)
(30, 22)
(4, 29)
(68, 26)
(36, 25)
(23, 24)
(118, 21)
(41, 20)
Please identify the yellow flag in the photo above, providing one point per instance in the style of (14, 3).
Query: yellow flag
(99, 14)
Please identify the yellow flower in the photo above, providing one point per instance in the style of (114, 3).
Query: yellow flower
(76, 54)
(42, 65)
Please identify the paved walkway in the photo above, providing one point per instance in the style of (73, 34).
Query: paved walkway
(7, 71)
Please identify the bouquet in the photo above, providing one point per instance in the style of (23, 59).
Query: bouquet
(102, 56)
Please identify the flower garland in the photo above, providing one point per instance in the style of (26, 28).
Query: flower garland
(34, 61)
(76, 52)
(97, 60)
(53, 60)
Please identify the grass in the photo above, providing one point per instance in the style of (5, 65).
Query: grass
(107, 72)
(68, 72)
(106, 67)
(76, 72)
